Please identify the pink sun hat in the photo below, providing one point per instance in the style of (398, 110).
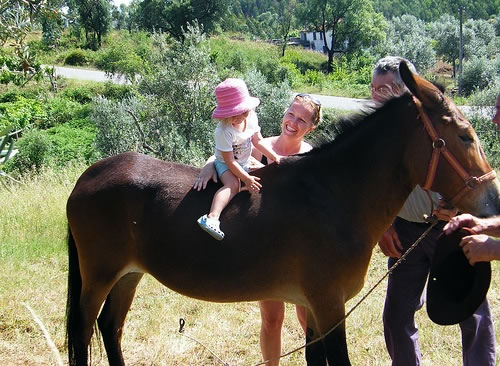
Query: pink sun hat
(233, 99)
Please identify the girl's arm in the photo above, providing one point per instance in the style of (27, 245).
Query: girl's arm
(251, 182)
(270, 154)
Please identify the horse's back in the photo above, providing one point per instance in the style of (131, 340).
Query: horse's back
(117, 199)
(133, 170)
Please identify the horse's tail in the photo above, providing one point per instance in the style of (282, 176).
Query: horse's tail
(73, 317)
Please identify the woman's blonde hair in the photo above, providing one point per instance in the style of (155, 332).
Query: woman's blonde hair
(314, 103)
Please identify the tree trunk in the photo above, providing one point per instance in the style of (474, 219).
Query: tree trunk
(329, 67)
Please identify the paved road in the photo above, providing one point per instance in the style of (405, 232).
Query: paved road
(85, 74)
(348, 104)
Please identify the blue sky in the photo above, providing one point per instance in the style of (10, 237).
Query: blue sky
(118, 2)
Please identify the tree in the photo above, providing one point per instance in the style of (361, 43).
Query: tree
(286, 20)
(95, 17)
(352, 24)
(431, 10)
(17, 20)
(407, 37)
(174, 16)
(482, 38)
(445, 33)
(120, 16)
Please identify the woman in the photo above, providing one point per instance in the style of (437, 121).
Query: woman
(301, 118)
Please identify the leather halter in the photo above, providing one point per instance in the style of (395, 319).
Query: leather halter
(438, 148)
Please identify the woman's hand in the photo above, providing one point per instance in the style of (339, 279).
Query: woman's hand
(207, 172)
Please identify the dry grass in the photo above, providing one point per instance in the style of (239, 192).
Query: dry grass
(33, 272)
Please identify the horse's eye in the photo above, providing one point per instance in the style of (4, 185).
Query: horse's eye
(466, 138)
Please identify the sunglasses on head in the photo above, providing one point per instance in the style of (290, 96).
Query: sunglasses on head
(310, 97)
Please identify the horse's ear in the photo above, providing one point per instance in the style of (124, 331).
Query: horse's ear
(424, 90)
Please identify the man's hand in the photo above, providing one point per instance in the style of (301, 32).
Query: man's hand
(390, 244)
(465, 220)
(479, 248)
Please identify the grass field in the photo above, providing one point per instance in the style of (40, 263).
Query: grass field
(33, 272)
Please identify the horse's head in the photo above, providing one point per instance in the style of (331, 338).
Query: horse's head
(451, 158)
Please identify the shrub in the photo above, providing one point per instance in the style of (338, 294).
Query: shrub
(315, 78)
(407, 37)
(293, 75)
(478, 73)
(274, 101)
(272, 69)
(61, 110)
(77, 57)
(489, 137)
(116, 131)
(117, 91)
(82, 95)
(33, 152)
(182, 86)
(119, 59)
(22, 113)
(68, 143)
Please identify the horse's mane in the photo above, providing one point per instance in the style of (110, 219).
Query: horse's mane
(357, 125)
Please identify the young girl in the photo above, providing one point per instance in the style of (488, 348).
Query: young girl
(237, 130)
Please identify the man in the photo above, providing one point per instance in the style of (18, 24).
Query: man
(406, 283)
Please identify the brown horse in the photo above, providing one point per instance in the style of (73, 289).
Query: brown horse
(307, 238)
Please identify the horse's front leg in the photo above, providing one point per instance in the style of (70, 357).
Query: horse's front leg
(334, 346)
(315, 353)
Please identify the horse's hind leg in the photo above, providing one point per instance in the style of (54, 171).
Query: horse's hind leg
(90, 302)
(113, 315)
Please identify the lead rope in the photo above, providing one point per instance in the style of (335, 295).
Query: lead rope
(432, 219)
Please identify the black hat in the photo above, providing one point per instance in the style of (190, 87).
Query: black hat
(455, 288)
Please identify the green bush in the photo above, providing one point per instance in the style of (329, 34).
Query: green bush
(182, 86)
(304, 59)
(85, 94)
(68, 143)
(118, 59)
(489, 137)
(125, 54)
(22, 113)
(315, 78)
(478, 73)
(274, 101)
(54, 147)
(117, 91)
(116, 130)
(77, 57)
(33, 153)
(82, 95)
(61, 110)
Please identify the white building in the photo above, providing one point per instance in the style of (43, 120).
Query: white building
(314, 40)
